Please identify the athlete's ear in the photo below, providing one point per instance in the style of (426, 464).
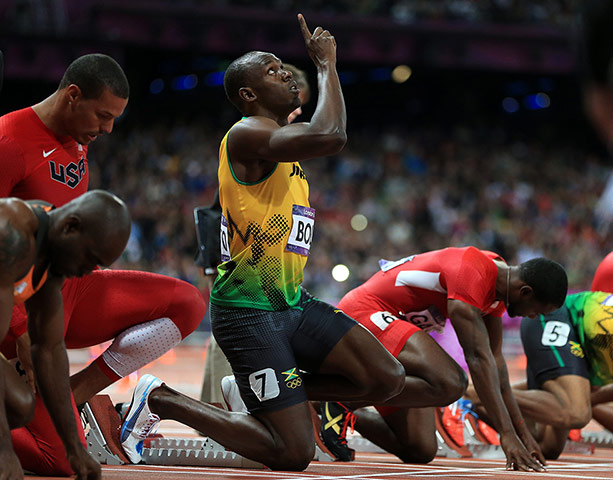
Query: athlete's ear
(525, 291)
(73, 94)
(71, 224)
(247, 94)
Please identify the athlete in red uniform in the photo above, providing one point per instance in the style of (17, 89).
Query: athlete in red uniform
(470, 287)
(39, 247)
(603, 278)
(43, 155)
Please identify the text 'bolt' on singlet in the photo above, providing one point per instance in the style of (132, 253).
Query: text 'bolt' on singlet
(266, 233)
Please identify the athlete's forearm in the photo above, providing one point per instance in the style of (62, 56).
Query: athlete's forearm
(510, 400)
(486, 381)
(52, 377)
(330, 117)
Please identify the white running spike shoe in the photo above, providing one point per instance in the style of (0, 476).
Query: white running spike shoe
(139, 422)
(232, 395)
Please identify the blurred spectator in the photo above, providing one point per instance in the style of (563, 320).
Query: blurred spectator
(418, 190)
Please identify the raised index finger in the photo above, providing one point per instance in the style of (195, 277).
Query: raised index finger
(306, 33)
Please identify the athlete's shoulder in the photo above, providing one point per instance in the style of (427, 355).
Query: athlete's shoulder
(472, 254)
(13, 124)
(492, 255)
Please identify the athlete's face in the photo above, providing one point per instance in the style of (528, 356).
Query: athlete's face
(273, 85)
(529, 307)
(72, 256)
(76, 253)
(91, 117)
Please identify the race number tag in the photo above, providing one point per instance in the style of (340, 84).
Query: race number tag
(428, 320)
(382, 319)
(386, 265)
(555, 334)
(264, 384)
(303, 222)
(223, 240)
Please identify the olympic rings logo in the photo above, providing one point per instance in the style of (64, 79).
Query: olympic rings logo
(295, 383)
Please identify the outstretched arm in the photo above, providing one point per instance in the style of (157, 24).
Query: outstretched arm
(474, 338)
(46, 329)
(11, 469)
(494, 326)
(16, 255)
(263, 138)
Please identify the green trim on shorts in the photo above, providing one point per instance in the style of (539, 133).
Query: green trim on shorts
(553, 349)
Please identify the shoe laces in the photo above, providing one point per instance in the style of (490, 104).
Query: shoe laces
(152, 422)
(466, 408)
(348, 422)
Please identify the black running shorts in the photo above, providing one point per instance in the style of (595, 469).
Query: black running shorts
(268, 350)
(552, 348)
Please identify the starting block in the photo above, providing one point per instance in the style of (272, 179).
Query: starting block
(447, 447)
(102, 425)
(193, 452)
(600, 439)
(582, 448)
(361, 444)
(475, 445)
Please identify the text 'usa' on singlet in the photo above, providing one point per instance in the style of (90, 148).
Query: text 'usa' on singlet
(266, 233)
(38, 164)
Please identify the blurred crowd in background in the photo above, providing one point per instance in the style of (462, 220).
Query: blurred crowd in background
(431, 162)
(58, 15)
(387, 195)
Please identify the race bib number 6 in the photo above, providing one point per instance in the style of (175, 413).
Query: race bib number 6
(303, 222)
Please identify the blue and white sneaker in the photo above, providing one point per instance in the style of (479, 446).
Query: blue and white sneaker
(139, 421)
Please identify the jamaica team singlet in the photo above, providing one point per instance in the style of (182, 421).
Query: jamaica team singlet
(592, 316)
(266, 233)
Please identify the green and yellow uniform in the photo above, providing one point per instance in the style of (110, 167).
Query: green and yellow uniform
(266, 233)
(592, 316)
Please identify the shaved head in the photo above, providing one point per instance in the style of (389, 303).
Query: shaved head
(93, 229)
(238, 74)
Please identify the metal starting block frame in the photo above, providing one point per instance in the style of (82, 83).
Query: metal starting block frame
(96, 443)
(473, 446)
(193, 452)
(601, 439)
(102, 424)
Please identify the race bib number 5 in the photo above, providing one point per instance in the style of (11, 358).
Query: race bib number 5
(303, 222)
(555, 334)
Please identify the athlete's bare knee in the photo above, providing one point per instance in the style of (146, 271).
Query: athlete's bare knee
(421, 453)
(21, 411)
(578, 417)
(456, 385)
(387, 383)
(188, 308)
(552, 452)
(378, 383)
(291, 460)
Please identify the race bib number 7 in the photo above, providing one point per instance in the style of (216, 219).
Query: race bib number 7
(303, 222)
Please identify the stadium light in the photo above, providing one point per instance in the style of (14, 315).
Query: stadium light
(340, 273)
